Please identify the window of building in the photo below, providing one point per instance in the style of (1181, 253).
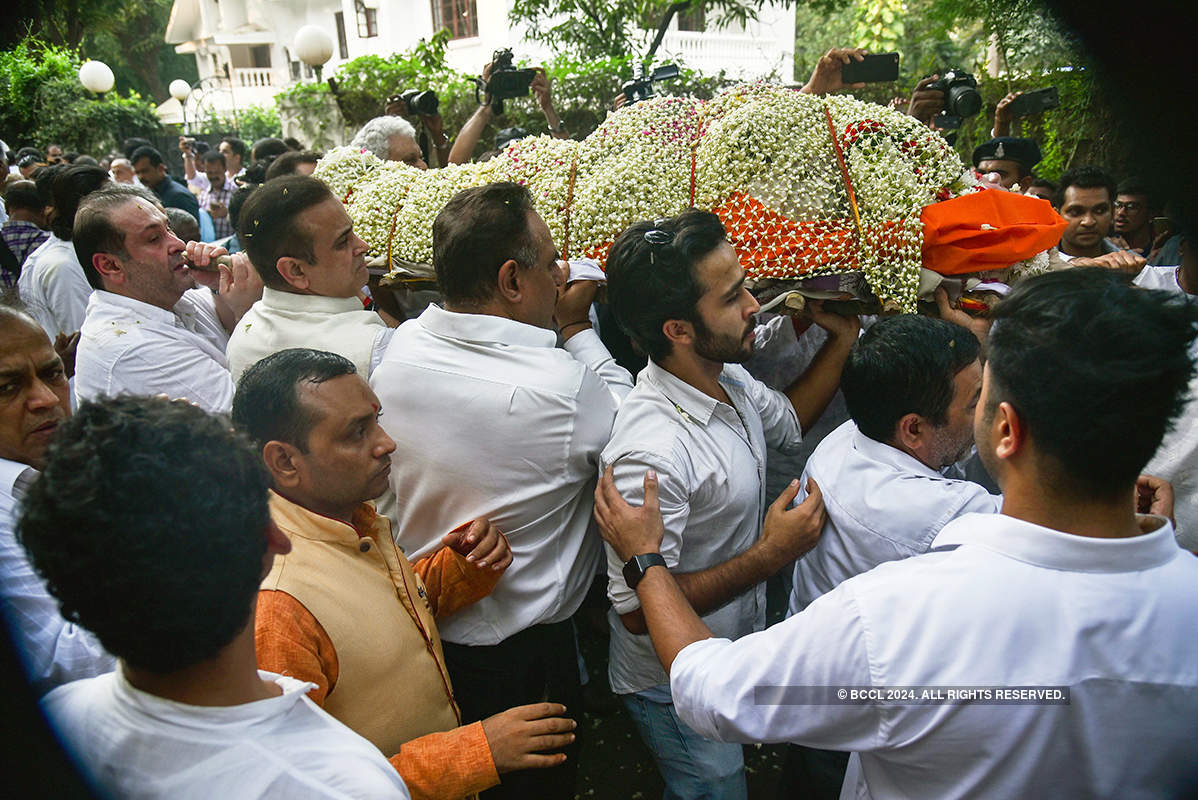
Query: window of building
(260, 56)
(342, 45)
(368, 20)
(692, 19)
(460, 17)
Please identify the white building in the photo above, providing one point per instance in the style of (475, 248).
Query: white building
(243, 48)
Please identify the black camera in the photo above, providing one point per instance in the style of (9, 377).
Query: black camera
(507, 82)
(961, 95)
(641, 88)
(424, 104)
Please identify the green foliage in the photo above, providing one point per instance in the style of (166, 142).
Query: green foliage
(42, 101)
(1034, 51)
(878, 26)
(251, 124)
(586, 29)
(583, 90)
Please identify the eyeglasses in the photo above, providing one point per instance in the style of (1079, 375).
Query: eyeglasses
(1133, 206)
(656, 237)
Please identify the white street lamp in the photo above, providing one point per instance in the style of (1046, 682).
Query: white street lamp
(96, 76)
(181, 90)
(314, 47)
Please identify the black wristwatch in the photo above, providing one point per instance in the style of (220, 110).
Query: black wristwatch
(635, 569)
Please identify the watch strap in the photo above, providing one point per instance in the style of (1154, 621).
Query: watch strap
(636, 567)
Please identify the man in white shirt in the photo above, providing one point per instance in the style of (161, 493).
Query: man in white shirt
(52, 284)
(491, 419)
(1067, 594)
(302, 244)
(1176, 460)
(34, 402)
(165, 572)
(703, 423)
(888, 476)
(148, 330)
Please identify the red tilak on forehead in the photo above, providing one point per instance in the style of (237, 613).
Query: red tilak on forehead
(377, 408)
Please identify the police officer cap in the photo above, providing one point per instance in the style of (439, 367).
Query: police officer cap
(1008, 148)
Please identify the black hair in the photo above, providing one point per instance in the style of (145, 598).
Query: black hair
(68, 188)
(149, 526)
(904, 365)
(267, 405)
(236, 201)
(28, 151)
(238, 147)
(1043, 182)
(1095, 368)
(478, 230)
(94, 231)
(43, 178)
(268, 224)
(287, 163)
(23, 194)
(84, 159)
(208, 156)
(270, 146)
(133, 144)
(1086, 177)
(292, 143)
(648, 284)
(1136, 186)
(146, 151)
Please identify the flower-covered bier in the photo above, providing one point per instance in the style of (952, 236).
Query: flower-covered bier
(805, 185)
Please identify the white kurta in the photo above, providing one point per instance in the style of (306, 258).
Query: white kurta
(53, 287)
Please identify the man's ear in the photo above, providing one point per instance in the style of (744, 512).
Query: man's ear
(282, 459)
(508, 283)
(679, 331)
(1009, 432)
(109, 267)
(293, 271)
(911, 431)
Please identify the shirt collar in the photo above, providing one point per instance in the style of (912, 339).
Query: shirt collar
(485, 328)
(889, 455)
(292, 301)
(689, 401)
(300, 521)
(145, 310)
(1053, 549)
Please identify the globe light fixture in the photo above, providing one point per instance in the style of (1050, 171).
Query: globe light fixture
(96, 76)
(314, 47)
(179, 89)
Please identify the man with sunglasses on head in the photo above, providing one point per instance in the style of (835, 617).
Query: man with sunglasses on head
(702, 423)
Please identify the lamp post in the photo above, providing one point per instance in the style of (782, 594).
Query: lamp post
(314, 47)
(96, 76)
(181, 90)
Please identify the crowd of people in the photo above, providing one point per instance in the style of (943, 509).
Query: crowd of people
(262, 536)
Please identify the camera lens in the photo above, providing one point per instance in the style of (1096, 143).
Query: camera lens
(963, 101)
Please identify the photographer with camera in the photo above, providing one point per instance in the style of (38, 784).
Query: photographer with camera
(424, 106)
(501, 81)
(940, 100)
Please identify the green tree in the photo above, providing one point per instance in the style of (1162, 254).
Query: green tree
(613, 28)
(125, 34)
(42, 101)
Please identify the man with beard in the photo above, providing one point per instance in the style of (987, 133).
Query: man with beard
(888, 476)
(702, 423)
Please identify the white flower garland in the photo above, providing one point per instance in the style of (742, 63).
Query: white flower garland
(763, 156)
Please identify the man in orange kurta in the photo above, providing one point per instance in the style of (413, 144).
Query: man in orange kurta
(346, 611)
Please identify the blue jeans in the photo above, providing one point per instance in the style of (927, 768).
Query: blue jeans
(692, 767)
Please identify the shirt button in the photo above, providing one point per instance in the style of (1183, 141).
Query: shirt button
(364, 546)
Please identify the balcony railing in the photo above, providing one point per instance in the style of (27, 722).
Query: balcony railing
(253, 78)
(742, 55)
